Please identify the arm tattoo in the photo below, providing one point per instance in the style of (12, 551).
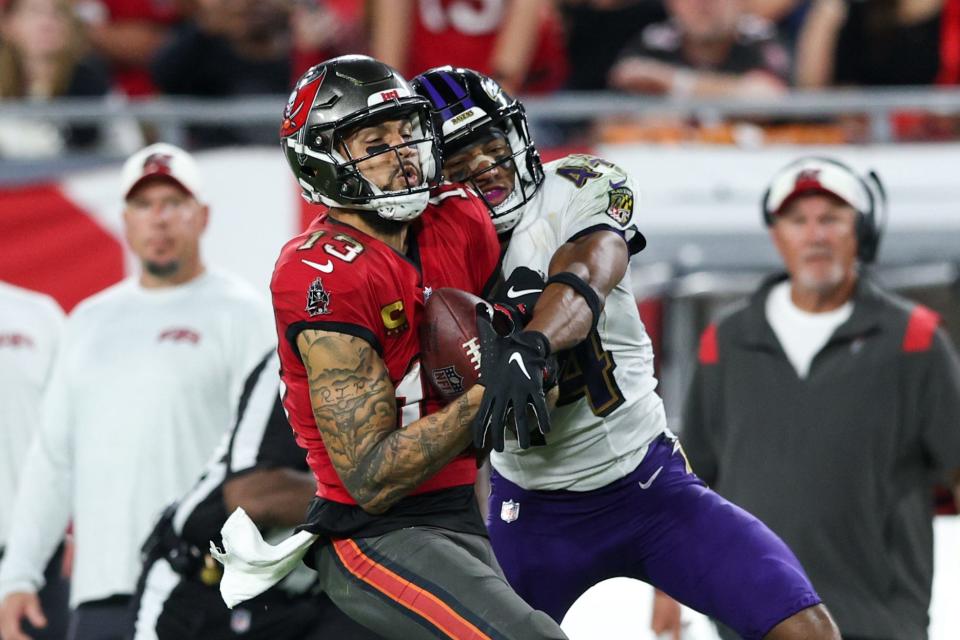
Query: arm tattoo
(355, 408)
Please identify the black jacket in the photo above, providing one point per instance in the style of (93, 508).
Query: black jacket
(840, 463)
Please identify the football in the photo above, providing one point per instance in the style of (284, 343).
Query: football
(449, 346)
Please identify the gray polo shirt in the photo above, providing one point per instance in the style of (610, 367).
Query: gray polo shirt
(841, 463)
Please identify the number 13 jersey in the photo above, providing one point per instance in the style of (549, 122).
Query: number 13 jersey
(607, 412)
(334, 277)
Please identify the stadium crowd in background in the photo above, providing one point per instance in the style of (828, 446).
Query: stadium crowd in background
(680, 48)
(533, 46)
(147, 375)
(706, 49)
(43, 56)
(236, 48)
(518, 42)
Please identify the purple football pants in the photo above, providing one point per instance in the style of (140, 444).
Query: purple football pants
(659, 524)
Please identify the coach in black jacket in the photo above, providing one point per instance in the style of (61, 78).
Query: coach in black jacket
(828, 407)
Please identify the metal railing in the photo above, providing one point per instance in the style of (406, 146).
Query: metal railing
(168, 117)
(877, 103)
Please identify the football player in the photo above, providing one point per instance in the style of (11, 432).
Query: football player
(402, 548)
(610, 492)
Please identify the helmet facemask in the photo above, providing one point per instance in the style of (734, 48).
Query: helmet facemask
(520, 159)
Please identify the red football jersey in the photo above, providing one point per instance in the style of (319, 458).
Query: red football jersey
(335, 277)
(463, 33)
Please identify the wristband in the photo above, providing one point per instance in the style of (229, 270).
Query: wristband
(536, 340)
(587, 292)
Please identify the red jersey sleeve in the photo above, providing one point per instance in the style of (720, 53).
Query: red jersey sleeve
(483, 248)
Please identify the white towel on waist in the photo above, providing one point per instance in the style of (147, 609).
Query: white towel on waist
(250, 564)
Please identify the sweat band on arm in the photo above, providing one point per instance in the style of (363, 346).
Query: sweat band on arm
(587, 292)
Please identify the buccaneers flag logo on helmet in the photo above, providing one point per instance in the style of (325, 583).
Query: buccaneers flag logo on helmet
(301, 101)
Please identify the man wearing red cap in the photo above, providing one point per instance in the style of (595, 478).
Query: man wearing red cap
(145, 382)
(827, 406)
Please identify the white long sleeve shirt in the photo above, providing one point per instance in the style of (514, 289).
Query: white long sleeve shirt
(30, 326)
(145, 383)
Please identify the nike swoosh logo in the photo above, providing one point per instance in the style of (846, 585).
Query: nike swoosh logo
(513, 293)
(515, 358)
(326, 267)
(646, 485)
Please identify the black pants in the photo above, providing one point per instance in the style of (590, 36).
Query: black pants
(169, 606)
(107, 619)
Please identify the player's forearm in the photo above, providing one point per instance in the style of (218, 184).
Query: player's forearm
(817, 43)
(515, 44)
(407, 457)
(271, 497)
(562, 313)
(563, 316)
(355, 409)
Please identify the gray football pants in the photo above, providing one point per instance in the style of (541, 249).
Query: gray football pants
(425, 582)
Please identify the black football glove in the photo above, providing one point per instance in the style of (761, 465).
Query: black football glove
(518, 294)
(513, 369)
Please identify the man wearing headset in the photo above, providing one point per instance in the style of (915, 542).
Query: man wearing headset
(827, 406)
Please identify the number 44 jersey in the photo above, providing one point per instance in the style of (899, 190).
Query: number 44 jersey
(607, 411)
(334, 277)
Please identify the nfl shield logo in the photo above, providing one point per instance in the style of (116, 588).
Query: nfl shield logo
(448, 381)
(509, 510)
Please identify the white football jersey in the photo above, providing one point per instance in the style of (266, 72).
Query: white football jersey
(608, 411)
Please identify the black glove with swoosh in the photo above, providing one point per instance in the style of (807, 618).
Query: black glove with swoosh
(513, 369)
(519, 294)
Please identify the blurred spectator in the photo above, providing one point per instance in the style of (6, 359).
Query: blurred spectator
(518, 42)
(147, 374)
(787, 15)
(597, 31)
(42, 56)
(30, 327)
(880, 42)
(246, 47)
(233, 48)
(708, 48)
(127, 33)
(323, 29)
